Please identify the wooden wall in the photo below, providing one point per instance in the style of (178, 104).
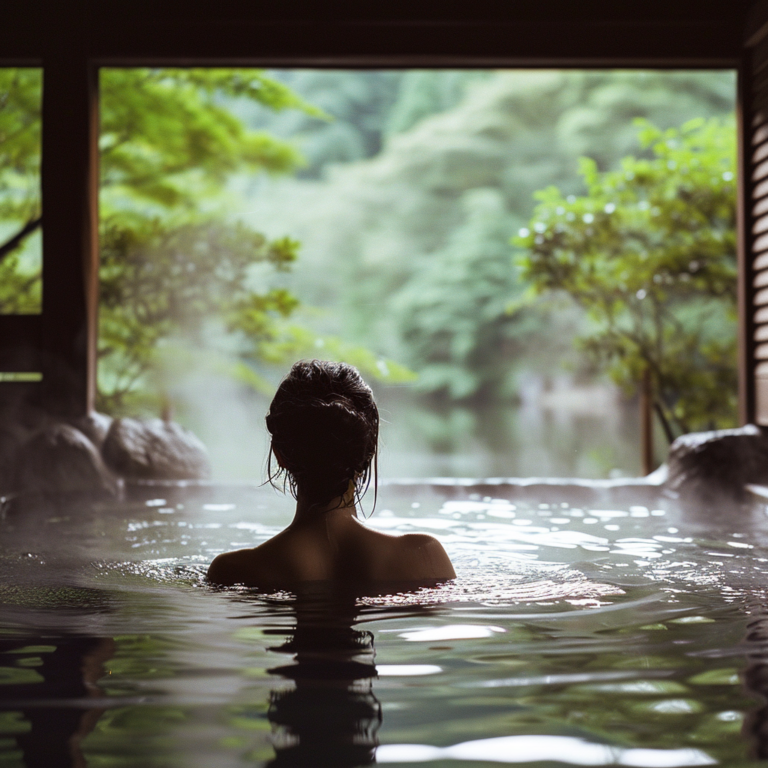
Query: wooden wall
(71, 40)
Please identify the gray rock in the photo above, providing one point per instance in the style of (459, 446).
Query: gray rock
(62, 460)
(154, 450)
(720, 462)
(94, 426)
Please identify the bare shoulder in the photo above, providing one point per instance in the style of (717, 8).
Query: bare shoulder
(418, 540)
(229, 568)
(425, 556)
(251, 567)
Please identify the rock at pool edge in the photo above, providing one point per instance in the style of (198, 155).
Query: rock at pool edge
(154, 450)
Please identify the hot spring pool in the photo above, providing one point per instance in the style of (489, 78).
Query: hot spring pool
(632, 635)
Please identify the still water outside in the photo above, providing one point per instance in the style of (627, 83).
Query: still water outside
(566, 432)
(596, 630)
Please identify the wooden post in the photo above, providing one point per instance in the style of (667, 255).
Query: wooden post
(646, 422)
(70, 211)
(744, 242)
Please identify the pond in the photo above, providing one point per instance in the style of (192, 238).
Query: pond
(588, 433)
(603, 630)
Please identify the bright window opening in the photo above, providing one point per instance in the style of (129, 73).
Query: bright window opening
(440, 230)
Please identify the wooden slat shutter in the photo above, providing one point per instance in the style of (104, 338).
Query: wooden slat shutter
(754, 151)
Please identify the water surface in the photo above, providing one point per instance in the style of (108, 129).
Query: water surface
(602, 634)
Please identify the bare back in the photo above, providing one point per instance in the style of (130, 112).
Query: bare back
(334, 546)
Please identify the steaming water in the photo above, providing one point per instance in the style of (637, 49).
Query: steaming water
(598, 635)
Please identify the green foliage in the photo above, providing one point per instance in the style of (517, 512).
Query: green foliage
(650, 253)
(455, 307)
(170, 259)
(173, 263)
(165, 137)
(425, 92)
(298, 342)
(355, 104)
(20, 105)
(382, 207)
(20, 283)
(158, 277)
(385, 238)
(363, 109)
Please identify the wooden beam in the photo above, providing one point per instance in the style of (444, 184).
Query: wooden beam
(70, 232)
(521, 43)
(316, 33)
(744, 239)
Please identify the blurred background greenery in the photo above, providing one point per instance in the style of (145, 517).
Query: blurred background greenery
(253, 217)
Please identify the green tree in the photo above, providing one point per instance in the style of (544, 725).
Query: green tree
(454, 308)
(173, 260)
(356, 102)
(170, 257)
(374, 231)
(650, 253)
(425, 92)
(20, 214)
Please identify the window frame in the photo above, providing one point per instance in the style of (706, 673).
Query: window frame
(78, 39)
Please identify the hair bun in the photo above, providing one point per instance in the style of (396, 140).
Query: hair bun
(324, 425)
(344, 415)
(338, 415)
(329, 433)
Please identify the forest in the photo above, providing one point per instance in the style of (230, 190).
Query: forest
(404, 221)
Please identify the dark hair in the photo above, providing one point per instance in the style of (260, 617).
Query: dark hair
(325, 427)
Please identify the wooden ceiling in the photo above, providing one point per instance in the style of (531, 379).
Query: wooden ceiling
(395, 33)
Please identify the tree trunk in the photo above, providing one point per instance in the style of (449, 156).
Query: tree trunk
(646, 422)
(11, 245)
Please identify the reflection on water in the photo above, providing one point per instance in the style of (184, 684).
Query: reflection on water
(330, 716)
(536, 749)
(46, 684)
(595, 634)
(756, 681)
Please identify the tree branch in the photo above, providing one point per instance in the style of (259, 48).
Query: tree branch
(670, 435)
(11, 245)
